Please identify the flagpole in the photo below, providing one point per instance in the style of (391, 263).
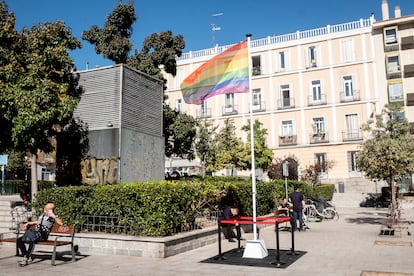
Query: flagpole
(253, 168)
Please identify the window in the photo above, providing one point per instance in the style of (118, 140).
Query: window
(352, 164)
(179, 105)
(287, 128)
(203, 109)
(348, 86)
(285, 95)
(395, 91)
(257, 96)
(282, 61)
(352, 126)
(393, 64)
(318, 125)
(399, 116)
(313, 57)
(321, 161)
(256, 66)
(229, 100)
(179, 77)
(316, 91)
(390, 36)
(347, 47)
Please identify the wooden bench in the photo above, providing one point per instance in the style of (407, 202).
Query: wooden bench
(58, 232)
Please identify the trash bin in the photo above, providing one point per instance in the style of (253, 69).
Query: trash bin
(341, 187)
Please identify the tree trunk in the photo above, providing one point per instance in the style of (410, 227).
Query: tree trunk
(34, 176)
(393, 201)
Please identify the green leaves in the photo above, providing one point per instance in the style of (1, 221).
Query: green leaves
(389, 154)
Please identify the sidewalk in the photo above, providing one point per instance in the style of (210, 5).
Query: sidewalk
(344, 247)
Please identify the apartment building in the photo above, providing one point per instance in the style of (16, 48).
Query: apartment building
(312, 90)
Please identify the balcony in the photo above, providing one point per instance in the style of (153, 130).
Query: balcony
(349, 97)
(204, 113)
(319, 137)
(409, 70)
(258, 106)
(351, 135)
(287, 140)
(407, 42)
(229, 109)
(312, 101)
(286, 103)
(393, 72)
(256, 71)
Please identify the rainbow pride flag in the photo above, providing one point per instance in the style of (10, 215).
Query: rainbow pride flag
(225, 73)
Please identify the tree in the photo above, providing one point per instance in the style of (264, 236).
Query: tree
(158, 51)
(312, 173)
(38, 90)
(112, 41)
(179, 133)
(228, 148)
(204, 143)
(8, 71)
(263, 156)
(389, 152)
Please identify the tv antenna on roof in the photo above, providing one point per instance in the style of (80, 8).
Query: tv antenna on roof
(213, 26)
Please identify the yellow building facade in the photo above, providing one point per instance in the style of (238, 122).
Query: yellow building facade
(312, 90)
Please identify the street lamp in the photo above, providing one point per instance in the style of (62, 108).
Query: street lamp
(213, 26)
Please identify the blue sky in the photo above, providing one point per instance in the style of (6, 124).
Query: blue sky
(193, 19)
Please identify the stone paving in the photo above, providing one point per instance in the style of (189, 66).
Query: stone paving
(350, 246)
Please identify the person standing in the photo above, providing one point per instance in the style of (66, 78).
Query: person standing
(40, 232)
(298, 205)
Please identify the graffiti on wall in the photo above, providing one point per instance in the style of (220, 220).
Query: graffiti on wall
(99, 171)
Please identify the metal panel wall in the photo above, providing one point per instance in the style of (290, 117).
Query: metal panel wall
(142, 98)
(142, 157)
(100, 103)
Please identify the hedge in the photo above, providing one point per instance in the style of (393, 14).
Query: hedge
(160, 208)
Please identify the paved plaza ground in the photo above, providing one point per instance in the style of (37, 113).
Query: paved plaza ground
(350, 246)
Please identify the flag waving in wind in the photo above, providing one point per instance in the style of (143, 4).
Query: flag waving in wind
(225, 73)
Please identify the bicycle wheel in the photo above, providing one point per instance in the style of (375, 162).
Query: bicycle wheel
(330, 213)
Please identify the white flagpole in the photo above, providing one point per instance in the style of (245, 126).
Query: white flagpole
(253, 169)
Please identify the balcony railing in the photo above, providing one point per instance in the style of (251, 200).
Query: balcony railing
(286, 103)
(229, 109)
(204, 113)
(351, 97)
(258, 106)
(278, 39)
(319, 137)
(351, 135)
(320, 101)
(287, 140)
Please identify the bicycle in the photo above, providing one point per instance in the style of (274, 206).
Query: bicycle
(319, 210)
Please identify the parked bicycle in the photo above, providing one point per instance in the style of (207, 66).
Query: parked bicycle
(318, 209)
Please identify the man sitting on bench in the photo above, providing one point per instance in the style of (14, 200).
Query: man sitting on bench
(39, 233)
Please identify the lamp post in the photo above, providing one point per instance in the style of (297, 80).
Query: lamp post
(286, 174)
(213, 26)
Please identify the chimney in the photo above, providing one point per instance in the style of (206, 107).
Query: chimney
(397, 12)
(385, 12)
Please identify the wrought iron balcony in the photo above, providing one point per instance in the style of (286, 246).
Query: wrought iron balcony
(320, 101)
(319, 137)
(350, 96)
(258, 106)
(287, 140)
(351, 135)
(229, 109)
(286, 103)
(204, 113)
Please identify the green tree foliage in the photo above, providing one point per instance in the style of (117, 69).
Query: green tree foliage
(38, 91)
(312, 173)
(263, 156)
(158, 51)
(8, 71)
(204, 143)
(388, 154)
(179, 132)
(112, 41)
(228, 148)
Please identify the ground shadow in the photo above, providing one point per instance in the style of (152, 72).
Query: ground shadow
(65, 257)
(235, 257)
